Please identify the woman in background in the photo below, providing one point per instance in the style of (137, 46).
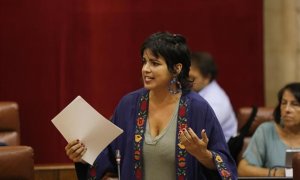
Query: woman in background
(265, 155)
(169, 132)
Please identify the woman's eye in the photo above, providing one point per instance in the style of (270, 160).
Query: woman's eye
(283, 103)
(155, 63)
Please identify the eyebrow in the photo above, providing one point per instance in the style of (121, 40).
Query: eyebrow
(152, 59)
(293, 101)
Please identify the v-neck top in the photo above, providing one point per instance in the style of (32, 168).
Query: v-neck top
(131, 116)
(159, 152)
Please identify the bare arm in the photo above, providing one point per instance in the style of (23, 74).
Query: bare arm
(245, 169)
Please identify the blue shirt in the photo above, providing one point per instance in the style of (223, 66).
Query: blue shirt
(266, 149)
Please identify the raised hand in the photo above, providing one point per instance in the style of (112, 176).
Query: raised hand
(197, 147)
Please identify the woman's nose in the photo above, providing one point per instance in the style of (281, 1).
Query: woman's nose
(146, 67)
(288, 107)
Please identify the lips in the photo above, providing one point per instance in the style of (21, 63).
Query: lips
(287, 118)
(148, 78)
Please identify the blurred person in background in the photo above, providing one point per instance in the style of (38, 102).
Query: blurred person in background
(265, 154)
(203, 73)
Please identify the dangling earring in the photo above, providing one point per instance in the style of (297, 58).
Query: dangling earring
(174, 86)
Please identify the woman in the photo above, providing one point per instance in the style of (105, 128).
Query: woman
(169, 132)
(266, 152)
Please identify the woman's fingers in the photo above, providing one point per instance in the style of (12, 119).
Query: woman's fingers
(204, 136)
(183, 139)
(79, 153)
(187, 135)
(75, 150)
(193, 135)
(72, 143)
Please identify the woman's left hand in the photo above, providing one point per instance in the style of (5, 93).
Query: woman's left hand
(197, 147)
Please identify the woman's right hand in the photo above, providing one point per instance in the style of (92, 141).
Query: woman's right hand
(75, 150)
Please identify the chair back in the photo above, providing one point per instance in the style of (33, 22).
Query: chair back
(296, 166)
(9, 123)
(263, 114)
(16, 162)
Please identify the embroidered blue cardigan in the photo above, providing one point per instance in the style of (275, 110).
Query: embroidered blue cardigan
(131, 115)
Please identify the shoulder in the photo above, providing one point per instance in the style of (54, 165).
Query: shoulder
(197, 104)
(213, 92)
(131, 99)
(195, 99)
(266, 126)
(127, 106)
(265, 129)
(133, 96)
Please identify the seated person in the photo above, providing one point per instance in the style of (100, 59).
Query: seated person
(203, 72)
(266, 150)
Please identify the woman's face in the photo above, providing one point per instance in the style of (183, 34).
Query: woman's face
(155, 71)
(290, 109)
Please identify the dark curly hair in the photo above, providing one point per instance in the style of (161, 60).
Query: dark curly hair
(294, 88)
(173, 48)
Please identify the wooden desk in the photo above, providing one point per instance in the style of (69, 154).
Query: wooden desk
(54, 171)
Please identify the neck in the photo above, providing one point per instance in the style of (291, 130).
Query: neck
(294, 131)
(163, 96)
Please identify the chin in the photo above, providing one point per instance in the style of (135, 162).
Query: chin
(147, 87)
(289, 124)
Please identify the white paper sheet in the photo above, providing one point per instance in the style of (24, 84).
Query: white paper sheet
(79, 120)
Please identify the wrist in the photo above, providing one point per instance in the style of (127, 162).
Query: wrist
(204, 156)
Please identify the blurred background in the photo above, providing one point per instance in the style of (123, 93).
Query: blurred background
(53, 50)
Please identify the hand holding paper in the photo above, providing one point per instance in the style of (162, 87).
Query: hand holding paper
(81, 121)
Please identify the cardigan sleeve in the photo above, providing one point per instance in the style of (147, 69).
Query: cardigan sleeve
(224, 162)
(202, 116)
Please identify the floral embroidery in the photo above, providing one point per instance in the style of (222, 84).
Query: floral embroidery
(138, 173)
(137, 155)
(181, 146)
(138, 138)
(219, 159)
(140, 122)
(225, 174)
(144, 104)
(139, 135)
(92, 173)
(182, 111)
(181, 152)
(181, 162)
(181, 177)
(182, 126)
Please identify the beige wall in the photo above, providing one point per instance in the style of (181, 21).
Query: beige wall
(281, 45)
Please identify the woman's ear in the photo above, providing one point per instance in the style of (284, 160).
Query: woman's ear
(177, 68)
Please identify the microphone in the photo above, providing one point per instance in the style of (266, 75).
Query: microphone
(118, 160)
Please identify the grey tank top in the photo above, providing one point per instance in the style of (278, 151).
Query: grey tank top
(159, 152)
